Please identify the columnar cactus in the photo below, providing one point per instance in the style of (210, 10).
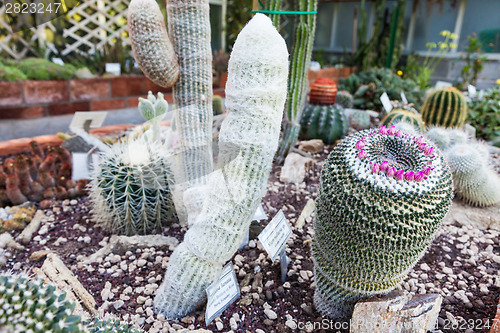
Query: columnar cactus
(31, 306)
(323, 91)
(326, 122)
(130, 188)
(474, 181)
(255, 97)
(445, 107)
(382, 197)
(401, 115)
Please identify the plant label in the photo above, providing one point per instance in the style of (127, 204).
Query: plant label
(58, 61)
(222, 293)
(113, 68)
(87, 119)
(384, 98)
(403, 98)
(259, 214)
(284, 262)
(472, 90)
(80, 168)
(275, 235)
(442, 84)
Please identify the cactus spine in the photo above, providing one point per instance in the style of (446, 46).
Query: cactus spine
(382, 197)
(255, 97)
(401, 115)
(445, 107)
(326, 122)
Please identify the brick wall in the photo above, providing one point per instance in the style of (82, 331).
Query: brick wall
(33, 99)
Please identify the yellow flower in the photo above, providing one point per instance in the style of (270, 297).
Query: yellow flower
(453, 45)
(453, 36)
(400, 73)
(443, 46)
(498, 81)
(445, 33)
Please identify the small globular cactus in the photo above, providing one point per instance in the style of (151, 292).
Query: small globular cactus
(323, 91)
(402, 115)
(130, 188)
(382, 197)
(475, 182)
(217, 105)
(344, 99)
(445, 107)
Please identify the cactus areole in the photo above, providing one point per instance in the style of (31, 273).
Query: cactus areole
(382, 197)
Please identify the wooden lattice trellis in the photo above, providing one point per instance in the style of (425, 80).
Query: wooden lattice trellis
(92, 24)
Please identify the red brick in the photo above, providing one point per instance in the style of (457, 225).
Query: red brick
(22, 112)
(108, 104)
(127, 86)
(68, 108)
(88, 89)
(36, 92)
(154, 88)
(220, 91)
(132, 102)
(10, 93)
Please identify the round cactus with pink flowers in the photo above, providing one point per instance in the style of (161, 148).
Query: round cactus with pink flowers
(382, 197)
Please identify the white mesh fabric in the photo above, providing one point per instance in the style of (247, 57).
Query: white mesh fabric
(255, 96)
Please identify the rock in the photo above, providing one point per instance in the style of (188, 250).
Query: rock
(477, 217)
(312, 146)
(39, 255)
(425, 267)
(396, 312)
(294, 168)
(7, 242)
(31, 228)
(270, 314)
(84, 73)
(306, 213)
(121, 244)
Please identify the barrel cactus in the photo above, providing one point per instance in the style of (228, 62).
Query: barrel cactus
(474, 181)
(323, 91)
(381, 200)
(402, 115)
(130, 188)
(326, 122)
(30, 306)
(445, 107)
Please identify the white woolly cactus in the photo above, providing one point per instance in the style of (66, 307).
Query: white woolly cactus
(406, 128)
(440, 136)
(382, 197)
(130, 188)
(153, 110)
(255, 97)
(474, 181)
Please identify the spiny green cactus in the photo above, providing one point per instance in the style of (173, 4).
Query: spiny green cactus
(248, 139)
(474, 181)
(344, 99)
(217, 105)
(130, 188)
(382, 197)
(153, 110)
(326, 122)
(445, 107)
(30, 306)
(399, 115)
(359, 119)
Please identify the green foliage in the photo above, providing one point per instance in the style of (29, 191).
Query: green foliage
(368, 86)
(11, 73)
(238, 14)
(379, 206)
(484, 114)
(401, 115)
(42, 69)
(474, 61)
(326, 122)
(445, 107)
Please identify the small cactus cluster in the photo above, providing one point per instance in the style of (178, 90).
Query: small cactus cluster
(41, 175)
(344, 99)
(153, 110)
(130, 188)
(326, 122)
(30, 306)
(17, 218)
(401, 115)
(323, 91)
(445, 107)
(382, 197)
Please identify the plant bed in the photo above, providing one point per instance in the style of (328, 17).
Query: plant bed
(461, 264)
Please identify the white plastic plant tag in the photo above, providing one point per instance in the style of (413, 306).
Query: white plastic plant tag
(259, 214)
(79, 118)
(80, 168)
(384, 98)
(442, 84)
(113, 68)
(284, 262)
(403, 98)
(472, 90)
(58, 61)
(275, 235)
(222, 293)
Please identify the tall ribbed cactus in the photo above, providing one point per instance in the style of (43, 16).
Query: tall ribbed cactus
(255, 96)
(474, 181)
(299, 66)
(189, 35)
(445, 107)
(382, 197)
(31, 306)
